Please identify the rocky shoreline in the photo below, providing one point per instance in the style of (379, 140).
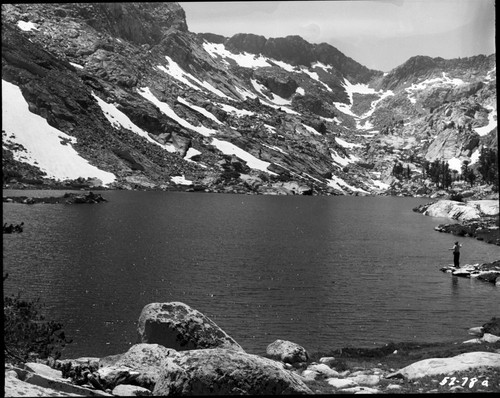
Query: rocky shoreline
(488, 272)
(476, 218)
(182, 352)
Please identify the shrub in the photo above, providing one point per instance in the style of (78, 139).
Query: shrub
(27, 335)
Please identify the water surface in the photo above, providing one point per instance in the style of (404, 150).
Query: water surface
(324, 272)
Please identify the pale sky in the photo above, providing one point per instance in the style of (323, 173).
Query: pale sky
(380, 34)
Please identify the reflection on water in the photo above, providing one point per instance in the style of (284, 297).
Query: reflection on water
(324, 272)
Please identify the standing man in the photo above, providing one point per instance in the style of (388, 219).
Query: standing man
(456, 254)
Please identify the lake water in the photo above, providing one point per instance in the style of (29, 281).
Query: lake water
(324, 272)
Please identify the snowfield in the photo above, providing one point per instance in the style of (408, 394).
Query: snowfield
(43, 143)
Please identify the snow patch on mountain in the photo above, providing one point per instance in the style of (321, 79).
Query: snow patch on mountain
(181, 180)
(238, 112)
(245, 93)
(342, 161)
(474, 158)
(455, 163)
(326, 68)
(310, 129)
(314, 76)
(199, 109)
(230, 149)
(245, 59)
(489, 75)
(277, 100)
(492, 122)
(173, 69)
(441, 81)
(346, 144)
(275, 148)
(190, 153)
(284, 65)
(43, 146)
(118, 120)
(340, 184)
(167, 110)
(27, 26)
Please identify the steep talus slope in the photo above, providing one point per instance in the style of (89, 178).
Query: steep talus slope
(139, 96)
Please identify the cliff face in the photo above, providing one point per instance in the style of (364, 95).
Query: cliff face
(138, 96)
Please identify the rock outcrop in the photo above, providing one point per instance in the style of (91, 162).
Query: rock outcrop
(178, 326)
(462, 211)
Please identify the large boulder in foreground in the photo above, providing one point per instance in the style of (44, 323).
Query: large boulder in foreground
(287, 352)
(178, 326)
(140, 365)
(448, 366)
(226, 372)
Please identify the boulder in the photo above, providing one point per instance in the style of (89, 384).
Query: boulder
(323, 369)
(341, 383)
(140, 365)
(220, 371)
(178, 326)
(438, 366)
(366, 380)
(127, 390)
(287, 352)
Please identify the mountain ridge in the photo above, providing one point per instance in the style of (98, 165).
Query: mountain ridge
(160, 107)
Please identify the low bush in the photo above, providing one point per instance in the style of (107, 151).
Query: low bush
(27, 335)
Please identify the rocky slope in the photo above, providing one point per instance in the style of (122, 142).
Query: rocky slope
(132, 99)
